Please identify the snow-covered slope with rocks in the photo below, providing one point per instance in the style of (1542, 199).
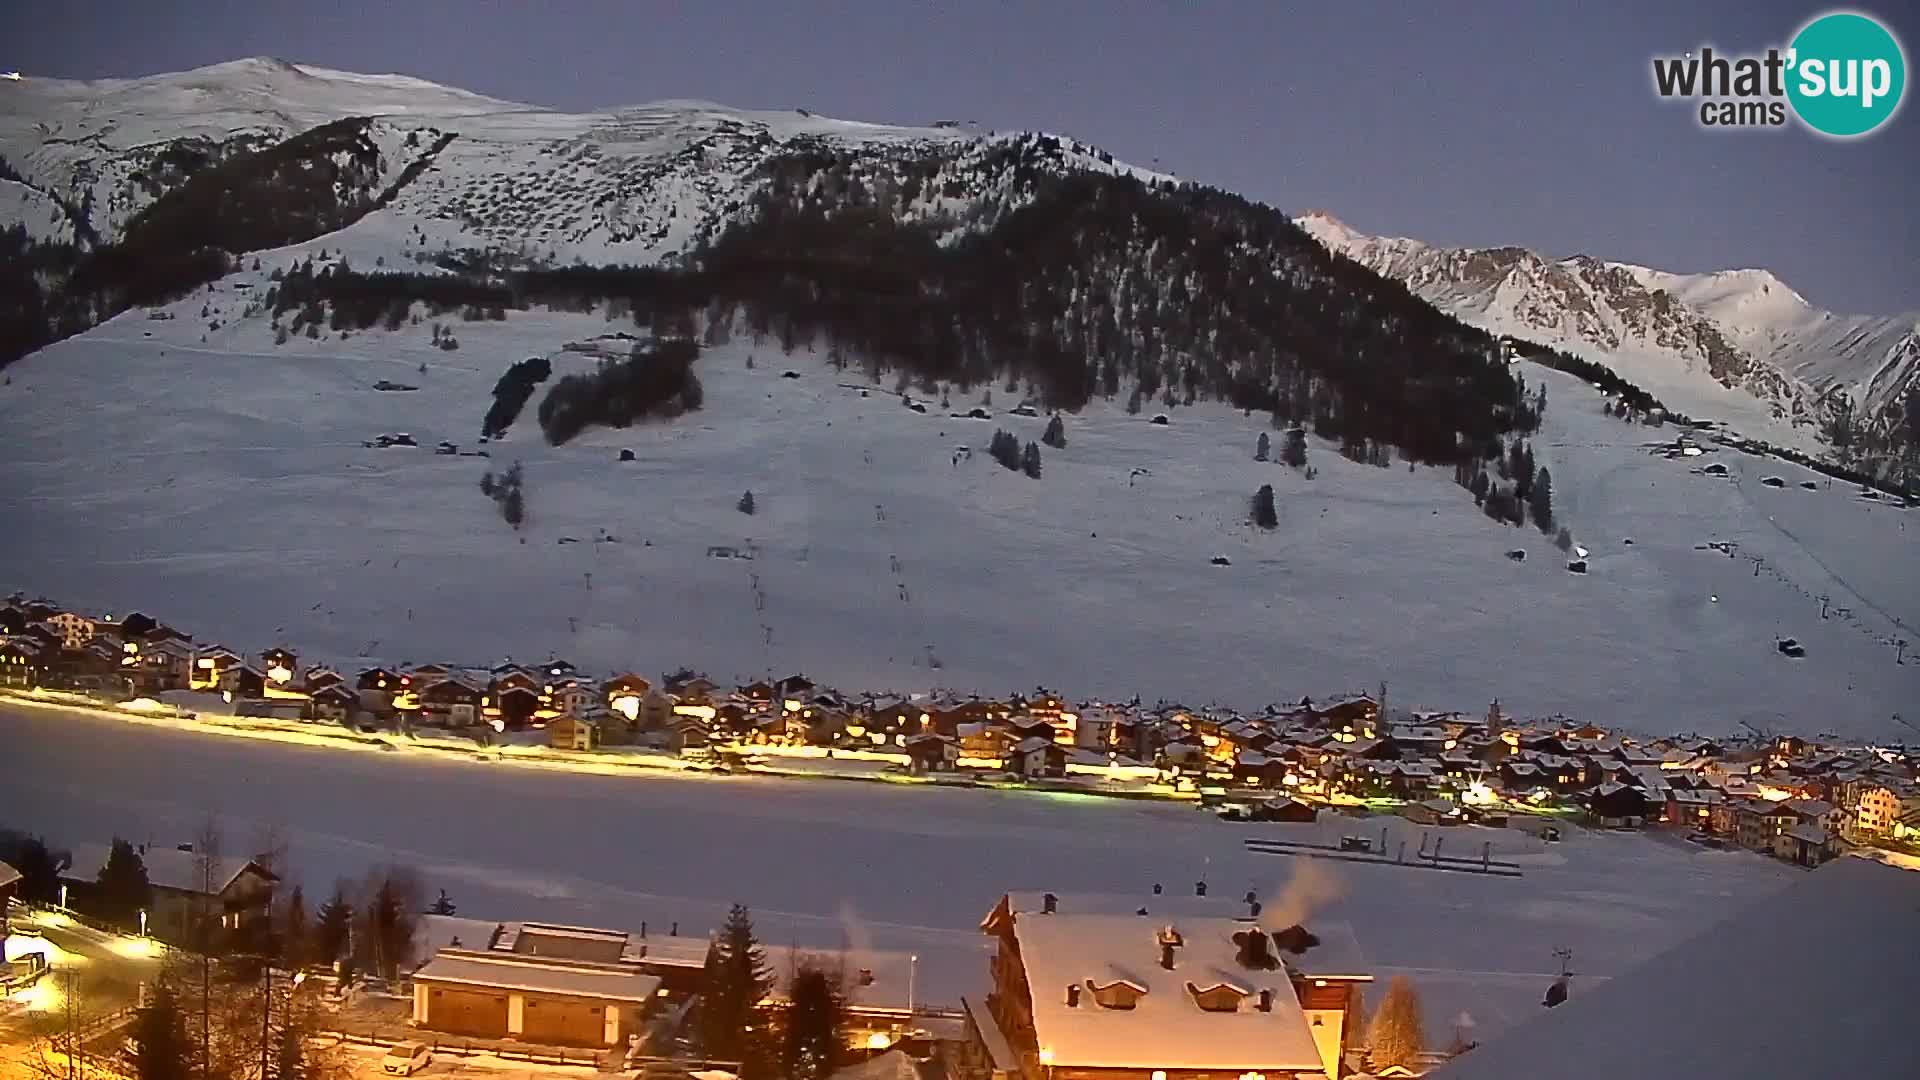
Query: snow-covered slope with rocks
(1737, 345)
(631, 184)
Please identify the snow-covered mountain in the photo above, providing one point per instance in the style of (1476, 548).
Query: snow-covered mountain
(1741, 343)
(629, 184)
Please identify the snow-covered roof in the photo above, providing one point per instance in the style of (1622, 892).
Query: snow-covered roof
(1338, 954)
(1166, 1028)
(892, 1065)
(8, 875)
(512, 972)
(1810, 808)
(1812, 834)
(167, 868)
(1847, 933)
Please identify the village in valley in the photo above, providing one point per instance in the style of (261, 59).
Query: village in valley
(1796, 799)
(1183, 980)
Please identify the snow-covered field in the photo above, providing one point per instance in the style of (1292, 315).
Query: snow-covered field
(223, 487)
(875, 865)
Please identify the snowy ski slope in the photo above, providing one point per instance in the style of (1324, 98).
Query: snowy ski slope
(224, 486)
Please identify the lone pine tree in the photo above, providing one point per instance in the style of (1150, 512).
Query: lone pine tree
(1540, 500)
(1056, 435)
(1264, 514)
(1294, 453)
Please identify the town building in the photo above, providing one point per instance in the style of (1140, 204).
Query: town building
(1037, 756)
(1086, 989)
(1881, 806)
(539, 983)
(568, 732)
(185, 888)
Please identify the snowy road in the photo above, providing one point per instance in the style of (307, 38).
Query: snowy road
(871, 864)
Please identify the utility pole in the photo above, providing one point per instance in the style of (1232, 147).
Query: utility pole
(72, 1042)
(913, 970)
(266, 1016)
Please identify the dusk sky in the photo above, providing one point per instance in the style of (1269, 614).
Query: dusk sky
(1499, 123)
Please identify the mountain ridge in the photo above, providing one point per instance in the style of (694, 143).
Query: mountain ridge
(1741, 329)
(644, 183)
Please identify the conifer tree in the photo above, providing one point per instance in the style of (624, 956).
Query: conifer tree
(1264, 514)
(1056, 435)
(39, 876)
(1262, 448)
(1295, 452)
(332, 928)
(160, 1047)
(296, 932)
(1540, 501)
(1030, 461)
(734, 982)
(123, 890)
(813, 1043)
(1397, 1036)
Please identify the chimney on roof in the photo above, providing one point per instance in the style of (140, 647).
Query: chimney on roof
(1295, 939)
(1170, 941)
(1199, 888)
(1266, 1001)
(1049, 904)
(1073, 995)
(1256, 952)
(1156, 888)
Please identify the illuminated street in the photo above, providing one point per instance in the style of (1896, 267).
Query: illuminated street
(102, 972)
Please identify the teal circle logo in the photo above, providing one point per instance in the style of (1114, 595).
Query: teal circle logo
(1846, 74)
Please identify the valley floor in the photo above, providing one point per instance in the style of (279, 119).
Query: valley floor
(870, 865)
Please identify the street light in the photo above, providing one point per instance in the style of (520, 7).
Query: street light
(143, 922)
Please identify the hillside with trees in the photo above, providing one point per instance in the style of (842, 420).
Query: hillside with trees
(1081, 285)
